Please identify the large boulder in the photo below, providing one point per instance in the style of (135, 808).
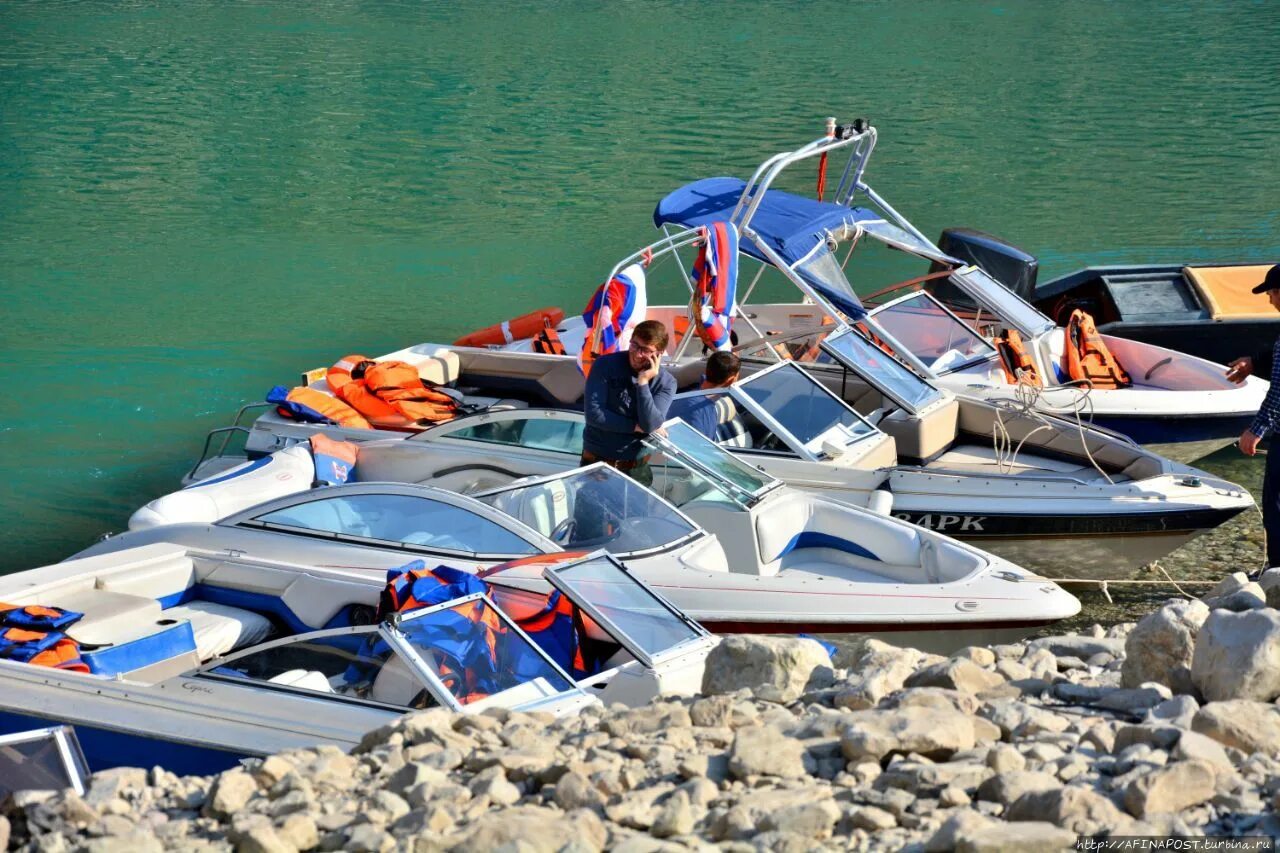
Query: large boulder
(881, 670)
(780, 669)
(1171, 789)
(1237, 656)
(932, 732)
(533, 829)
(765, 751)
(1082, 810)
(956, 674)
(1270, 583)
(1243, 724)
(1160, 646)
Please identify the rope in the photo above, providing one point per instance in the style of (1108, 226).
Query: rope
(1028, 399)
(822, 175)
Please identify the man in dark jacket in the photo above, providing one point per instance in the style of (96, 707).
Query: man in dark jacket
(627, 397)
(1267, 421)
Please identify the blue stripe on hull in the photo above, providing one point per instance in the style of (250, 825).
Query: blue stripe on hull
(104, 748)
(1149, 429)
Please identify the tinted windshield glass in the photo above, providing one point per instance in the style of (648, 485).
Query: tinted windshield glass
(803, 407)
(402, 518)
(718, 461)
(882, 370)
(648, 624)
(476, 654)
(596, 508)
(1003, 302)
(932, 335)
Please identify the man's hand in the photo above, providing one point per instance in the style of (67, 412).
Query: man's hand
(1240, 369)
(645, 376)
(1249, 443)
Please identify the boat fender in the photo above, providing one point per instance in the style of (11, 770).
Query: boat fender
(880, 502)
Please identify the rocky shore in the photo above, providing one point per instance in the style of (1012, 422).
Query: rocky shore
(1166, 726)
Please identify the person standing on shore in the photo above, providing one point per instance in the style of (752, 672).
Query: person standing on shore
(627, 397)
(1266, 422)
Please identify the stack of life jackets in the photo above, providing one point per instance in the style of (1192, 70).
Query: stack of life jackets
(1085, 356)
(311, 406)
(715, 277)
(391, 393)
(34, 635)
(612, 313)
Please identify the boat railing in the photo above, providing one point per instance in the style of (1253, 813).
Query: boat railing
(227, 433)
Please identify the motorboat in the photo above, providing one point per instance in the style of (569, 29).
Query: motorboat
(192, 658)
(1207, 310)
(1179, 405)
(727, 543)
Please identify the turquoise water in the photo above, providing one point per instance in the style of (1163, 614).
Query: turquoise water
(198, 200)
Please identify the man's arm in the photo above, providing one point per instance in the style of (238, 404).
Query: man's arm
(653, 401)
(595, 405)
(1269, 413)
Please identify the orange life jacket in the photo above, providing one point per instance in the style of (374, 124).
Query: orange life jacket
(331, 407)
(1018, 366)
(389, 393)
(1086, 357)
(42, 648)
(548, 342)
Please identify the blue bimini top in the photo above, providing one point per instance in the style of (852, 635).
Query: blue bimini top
(792, 225)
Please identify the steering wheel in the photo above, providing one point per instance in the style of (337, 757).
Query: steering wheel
(772, 443)
(564, 531)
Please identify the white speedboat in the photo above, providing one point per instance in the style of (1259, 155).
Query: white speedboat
(197, 657)
(727, 543)
(942, 321)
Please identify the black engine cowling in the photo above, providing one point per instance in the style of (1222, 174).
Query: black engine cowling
(1004, 262)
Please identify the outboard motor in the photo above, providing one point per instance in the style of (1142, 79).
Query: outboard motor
(1006, 263)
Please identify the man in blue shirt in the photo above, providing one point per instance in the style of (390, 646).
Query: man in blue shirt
(627, 397)
(1267, 420)
(700, 412)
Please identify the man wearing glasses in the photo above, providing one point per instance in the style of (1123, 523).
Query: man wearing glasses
(627, 397)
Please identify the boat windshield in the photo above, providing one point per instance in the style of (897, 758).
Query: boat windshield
(624, 606)
(880, 369)
(822, 270)
(476, 653)
(711, 471)
(1003, 302)
(592, 507)
(932, 333)
(793, 402)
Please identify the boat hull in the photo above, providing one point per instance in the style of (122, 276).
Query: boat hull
(1182, 438)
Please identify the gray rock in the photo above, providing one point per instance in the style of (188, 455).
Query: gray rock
(1242, 724)
(649, 719)
(809, 820)
(1193, 745)
(1237, 656)
(932, 732)
(780, 669)
(1270, 583)
(765, 751)
(1079, 809)
(924, 776)
(1018, 719)
(932, 697)
(977, 654)
(491, 783)
(299, 830)
(1134, 699)
(675, 817)
(1177, 711)
(1154, 736)
(998, 837)
(1170, 789)
(575, 791)
(117, 782)
(881, 670)
(1012, 670)
(870, 818)
(231, 791)
(538, 830)
(1079, 647)
(955, 674)
(1007, 787)
(1004, 758)
(1249, 597)
(963, 823)
(1161, 645)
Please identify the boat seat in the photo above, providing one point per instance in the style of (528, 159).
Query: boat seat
(220, 629)
(980, 459)
(731, 429)
(799, 523)
(108, 615)
(396, 684)
(307, 679)
(541, 507)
